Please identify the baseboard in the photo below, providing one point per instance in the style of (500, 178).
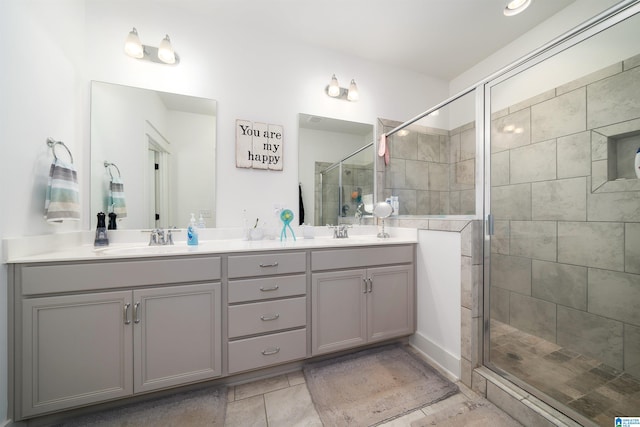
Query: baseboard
(447, 362)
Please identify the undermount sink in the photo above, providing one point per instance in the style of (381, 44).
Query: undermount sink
(146, 249)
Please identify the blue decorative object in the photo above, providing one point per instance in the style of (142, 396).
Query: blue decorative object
(286, 216)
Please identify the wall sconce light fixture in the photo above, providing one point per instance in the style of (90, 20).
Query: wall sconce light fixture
(164, 54)
(334, 90)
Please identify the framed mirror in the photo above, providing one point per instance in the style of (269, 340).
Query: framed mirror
(335, 169)
(160, 148)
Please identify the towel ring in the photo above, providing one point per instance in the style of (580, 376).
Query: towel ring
(107, 166)
(52, 143)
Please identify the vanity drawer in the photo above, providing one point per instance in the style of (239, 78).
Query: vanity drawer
(267, 264)
(252, 353)
(267, 316)
(361, 257)
(267, 288)
(43, 279)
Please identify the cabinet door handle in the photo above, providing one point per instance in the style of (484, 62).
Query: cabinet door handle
(370, 284)
(269, 351)
(273, 288)
(136, 312)
(127, 321)
(266, 317)
(274, 264)
(364, 289)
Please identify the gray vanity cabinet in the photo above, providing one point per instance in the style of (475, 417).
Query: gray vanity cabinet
(356, 306)
(86, 338)
(176, 335)
(76, 351)
(267, 312)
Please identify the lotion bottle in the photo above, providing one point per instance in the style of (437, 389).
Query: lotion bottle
(192, 232)
(637, 163)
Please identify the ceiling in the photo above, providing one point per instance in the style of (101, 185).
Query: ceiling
(440, 38)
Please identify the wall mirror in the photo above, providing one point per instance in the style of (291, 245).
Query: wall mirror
(335, 170)
(160, 147)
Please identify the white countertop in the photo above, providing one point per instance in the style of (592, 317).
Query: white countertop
(74, 246)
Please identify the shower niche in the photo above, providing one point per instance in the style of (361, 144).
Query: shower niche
(613, 150)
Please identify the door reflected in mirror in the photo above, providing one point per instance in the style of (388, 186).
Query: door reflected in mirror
(335, 170)
(161, 148)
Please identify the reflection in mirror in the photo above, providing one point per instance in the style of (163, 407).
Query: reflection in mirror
(335, 170)
(432, 163)
(160, 147)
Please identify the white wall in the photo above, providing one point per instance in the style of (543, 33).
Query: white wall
(438, 294)
(42, 95)
(253, 78)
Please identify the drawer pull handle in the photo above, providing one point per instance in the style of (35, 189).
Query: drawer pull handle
(370, 284)
(127, 321)
(364, 290)
(266, 318)
(273, 288)
(275, 264)
(136, 313)
(269, 351)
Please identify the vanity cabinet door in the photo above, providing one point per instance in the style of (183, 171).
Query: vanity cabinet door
(390, 302)
(76, 350)
(177, 335)
(339, 318)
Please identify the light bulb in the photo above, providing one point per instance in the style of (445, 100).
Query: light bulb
(514, 7)
(132, 45)
(334, 88)
(353, 94)
(165, 51)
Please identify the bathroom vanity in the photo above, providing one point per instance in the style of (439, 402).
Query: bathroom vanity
(93, 326)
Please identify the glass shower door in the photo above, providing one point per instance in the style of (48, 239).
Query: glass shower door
(330, 196)
(564, 275)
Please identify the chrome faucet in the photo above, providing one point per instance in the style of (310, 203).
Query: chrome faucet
(159, 238)
(340, 231)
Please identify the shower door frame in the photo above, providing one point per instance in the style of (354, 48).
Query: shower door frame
(590, 28)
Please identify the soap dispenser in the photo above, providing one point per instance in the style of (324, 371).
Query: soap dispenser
(101, 231)
(192, 232)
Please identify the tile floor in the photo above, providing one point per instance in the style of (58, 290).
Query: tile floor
(285, 401)
(586, 385)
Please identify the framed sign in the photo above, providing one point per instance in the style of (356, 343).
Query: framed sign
(258, 145)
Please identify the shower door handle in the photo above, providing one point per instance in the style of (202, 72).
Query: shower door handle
(490, 225)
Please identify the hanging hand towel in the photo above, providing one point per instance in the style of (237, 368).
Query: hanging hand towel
(62, 200)
(116, 197)
(383, 149)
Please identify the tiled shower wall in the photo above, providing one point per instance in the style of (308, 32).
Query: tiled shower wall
(565, 262)
(432, 171)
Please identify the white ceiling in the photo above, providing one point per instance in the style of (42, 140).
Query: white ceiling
(440, 38)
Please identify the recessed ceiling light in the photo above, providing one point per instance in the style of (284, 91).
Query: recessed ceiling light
(514, 7)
